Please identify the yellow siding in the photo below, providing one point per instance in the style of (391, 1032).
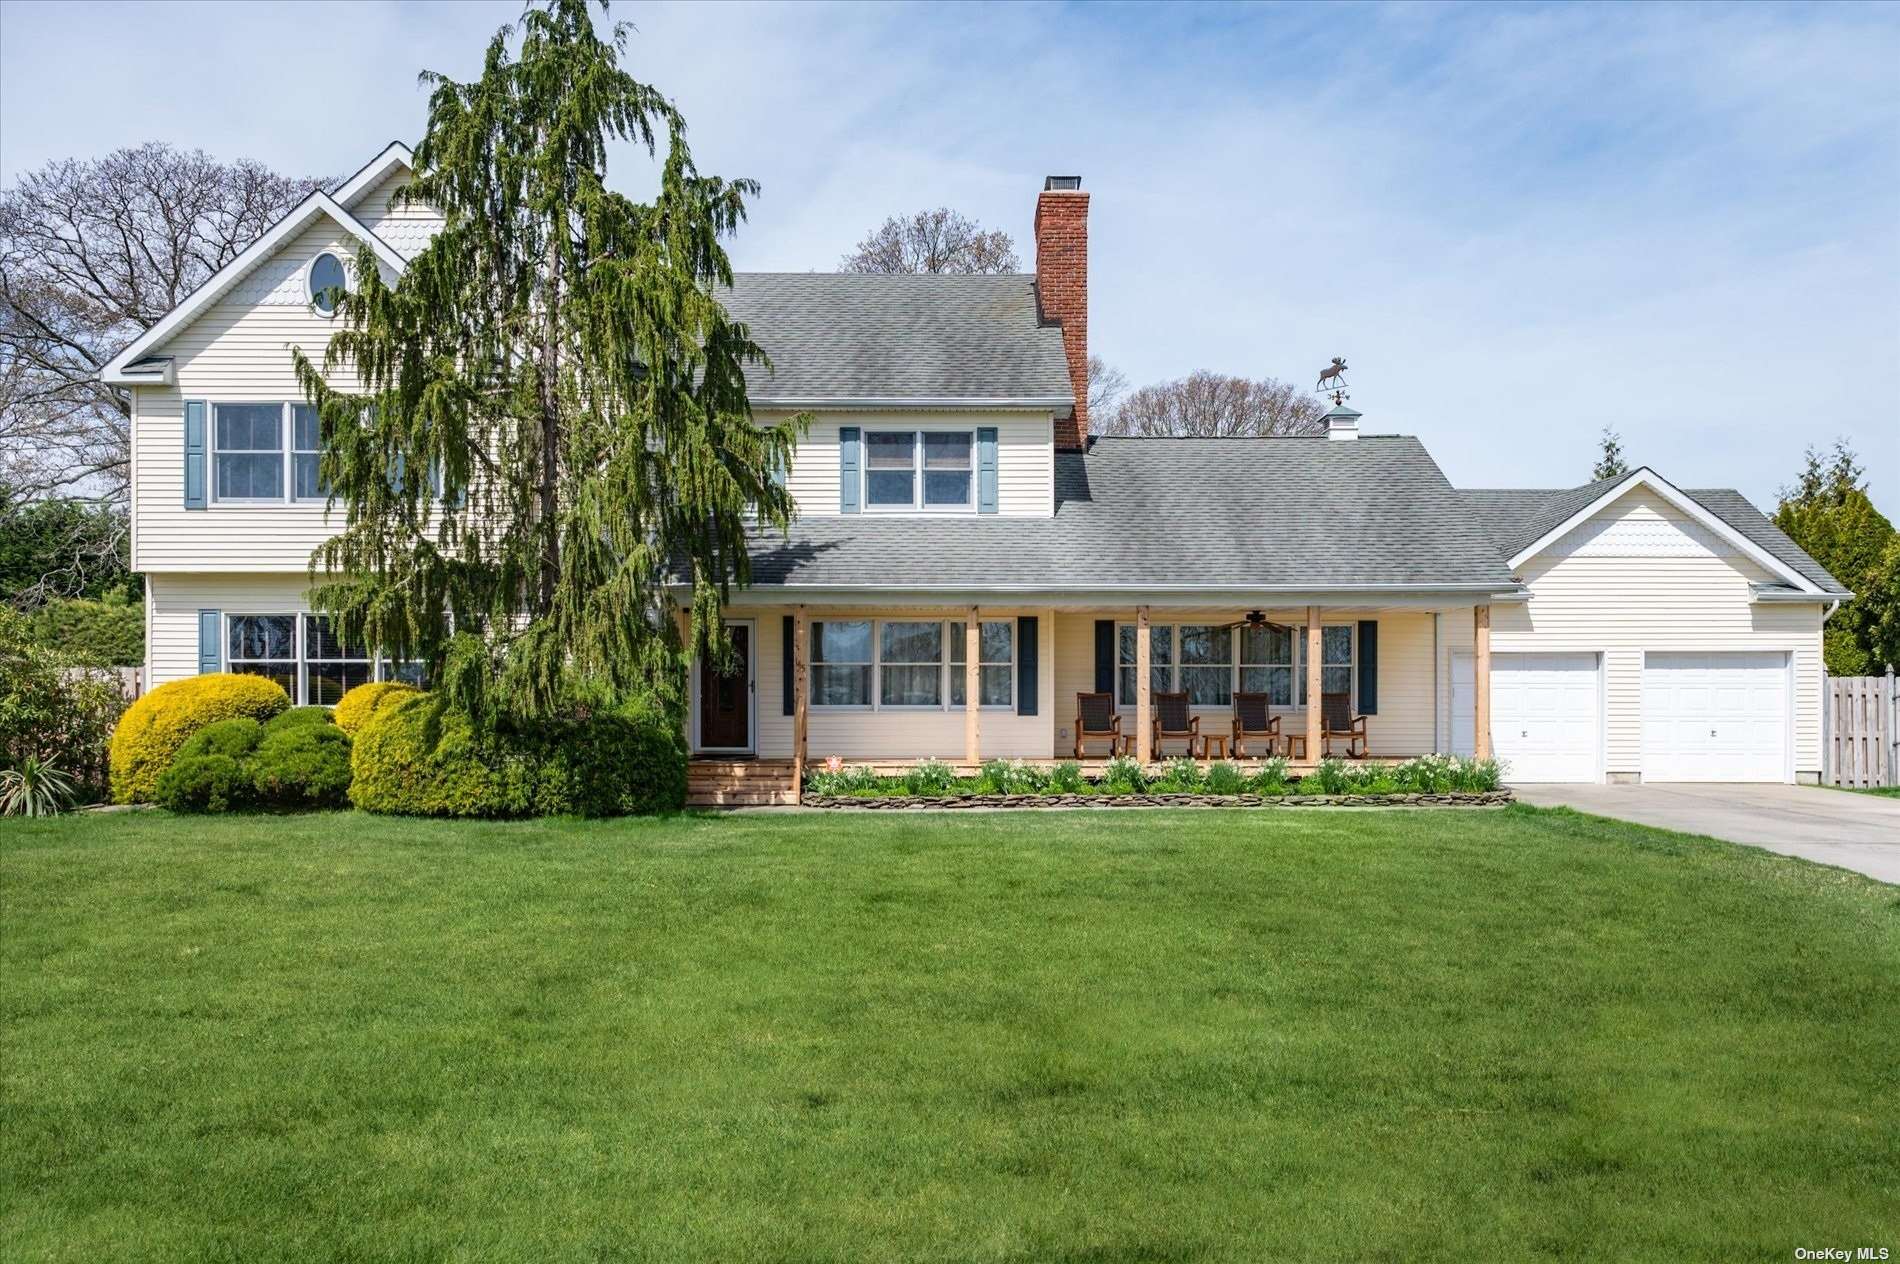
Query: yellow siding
(1635, 580)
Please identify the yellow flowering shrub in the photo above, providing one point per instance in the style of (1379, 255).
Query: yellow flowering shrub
(354, 708)
(153, 728)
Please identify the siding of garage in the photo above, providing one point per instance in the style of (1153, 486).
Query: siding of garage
(1642, 576)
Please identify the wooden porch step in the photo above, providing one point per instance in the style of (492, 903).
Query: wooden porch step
(720, 783)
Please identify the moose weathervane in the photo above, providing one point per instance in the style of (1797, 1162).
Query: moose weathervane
(1334, 373)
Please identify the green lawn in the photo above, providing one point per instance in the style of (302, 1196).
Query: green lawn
(1142, 1036)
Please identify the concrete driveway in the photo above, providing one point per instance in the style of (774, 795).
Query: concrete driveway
(1855, 831)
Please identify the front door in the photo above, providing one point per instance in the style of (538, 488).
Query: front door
(725, 701)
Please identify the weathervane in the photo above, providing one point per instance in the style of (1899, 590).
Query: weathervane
(1336, 374)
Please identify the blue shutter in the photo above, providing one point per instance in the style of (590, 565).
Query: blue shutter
(1028, 686)
(847, 469)
(1368, 667)
(1104, 656)
(786, 649)
(195, 454)
(210, 646)
(986, 469)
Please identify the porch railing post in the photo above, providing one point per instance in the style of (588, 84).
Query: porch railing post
(1313, 652)
(1481, 680)
(1144, 731)
(972, 682)
(801, 697)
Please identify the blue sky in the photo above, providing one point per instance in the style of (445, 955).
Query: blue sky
(1519, 223)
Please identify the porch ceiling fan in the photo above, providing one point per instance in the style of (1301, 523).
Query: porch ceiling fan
(1255, 619)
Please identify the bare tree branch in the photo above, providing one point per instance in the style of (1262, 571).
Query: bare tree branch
(942, 240)
(1211, 405)
(92, 254)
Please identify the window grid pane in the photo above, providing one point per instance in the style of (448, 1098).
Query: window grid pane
(841, 663)
(249, 440)
(996, 663)
(910, 664)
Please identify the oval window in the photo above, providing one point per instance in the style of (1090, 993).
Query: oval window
(326, 273)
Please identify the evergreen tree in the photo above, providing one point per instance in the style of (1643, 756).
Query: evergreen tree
(1610, 463)
(1828, 513)
(552, 416)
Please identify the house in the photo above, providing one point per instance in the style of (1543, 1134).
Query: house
(967, 561)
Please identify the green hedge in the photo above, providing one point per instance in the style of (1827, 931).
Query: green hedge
(297, 760)
(418, 757)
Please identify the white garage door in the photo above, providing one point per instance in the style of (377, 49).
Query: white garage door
(1546, 718)
(1715, 717)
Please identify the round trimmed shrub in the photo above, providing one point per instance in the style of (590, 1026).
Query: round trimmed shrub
(153, 729)
(234, 739)
(297, 717)
(418, 757)
(204, 783)
(302, 765)
(354, 708)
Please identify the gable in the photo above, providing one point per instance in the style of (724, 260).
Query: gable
(1642, 524)
(280, 280)
(406, 229)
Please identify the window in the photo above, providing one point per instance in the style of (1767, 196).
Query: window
(326, 274)
(1266, 664)
(304, 450)
(893, 459)
(910, 664)
(1160, 661)
(996, 663)
(249, 441)
(264, 645)
(841, 663)
(331, 668)
(1207, 664)
(250, 448)
(1335, 661)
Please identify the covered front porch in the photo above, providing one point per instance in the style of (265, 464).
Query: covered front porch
(891, 685)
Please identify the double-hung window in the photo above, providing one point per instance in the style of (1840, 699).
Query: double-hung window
(841, 663)
(1266, 664)
(1207, 664)
(996, 663)
(910, 664)
(1160, 661)
(331, 668)
(919, 469)
(1335, 661)
(265, 452)
(264, 645)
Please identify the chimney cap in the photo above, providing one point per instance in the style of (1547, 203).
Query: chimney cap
(1058, 184)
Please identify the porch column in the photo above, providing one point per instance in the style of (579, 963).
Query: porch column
(1481, 680)
(1144, 731)
(683, 619)
(1313, 653)
(801, 694)
(972, 682)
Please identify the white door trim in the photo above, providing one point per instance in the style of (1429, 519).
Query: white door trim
(751, 690)
(1789, 698)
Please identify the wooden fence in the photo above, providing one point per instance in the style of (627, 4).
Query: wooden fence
(1860, 731)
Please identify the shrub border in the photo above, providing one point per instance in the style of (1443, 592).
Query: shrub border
(889, 802)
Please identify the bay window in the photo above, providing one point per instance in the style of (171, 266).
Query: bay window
(919, 469)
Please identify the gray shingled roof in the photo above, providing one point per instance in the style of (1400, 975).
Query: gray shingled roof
(1270, 512)
(867, 336)
(1516, 517)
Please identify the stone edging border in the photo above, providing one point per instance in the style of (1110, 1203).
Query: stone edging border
(900, 802)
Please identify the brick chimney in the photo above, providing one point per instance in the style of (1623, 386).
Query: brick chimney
(1062, 289)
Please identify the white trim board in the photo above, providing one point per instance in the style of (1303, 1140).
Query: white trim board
(306, 213)
(1689, 506)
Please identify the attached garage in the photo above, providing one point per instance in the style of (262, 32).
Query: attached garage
(1715, 717)
(1546, 714)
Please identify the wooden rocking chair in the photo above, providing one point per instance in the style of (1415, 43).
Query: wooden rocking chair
(1096, 721)
(1337, 721)
(1174, 722)
(1252, 721)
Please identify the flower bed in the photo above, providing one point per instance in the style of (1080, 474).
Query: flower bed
(1432, 780)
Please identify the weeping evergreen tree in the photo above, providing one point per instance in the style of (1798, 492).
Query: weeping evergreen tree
(551, 416)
